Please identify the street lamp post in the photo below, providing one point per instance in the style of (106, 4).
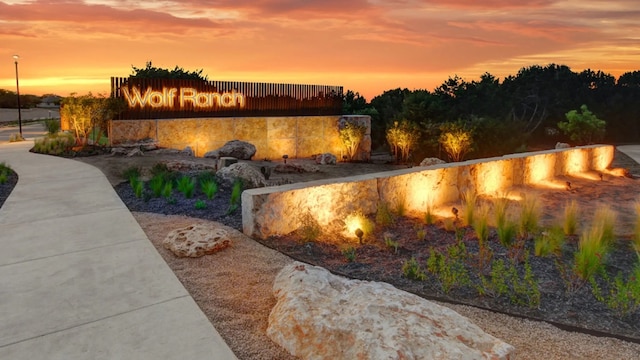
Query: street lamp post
(16, 57)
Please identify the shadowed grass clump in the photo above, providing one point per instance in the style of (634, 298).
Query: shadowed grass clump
(570, 218)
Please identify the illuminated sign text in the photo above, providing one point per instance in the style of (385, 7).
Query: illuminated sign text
(182, 97)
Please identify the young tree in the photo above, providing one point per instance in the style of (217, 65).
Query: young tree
(403, 137)
(89, 113)
(152, 72)
(456, 139)
(583, 127)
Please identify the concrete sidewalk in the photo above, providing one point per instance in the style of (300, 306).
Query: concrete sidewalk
(632, 151)
(78, 277)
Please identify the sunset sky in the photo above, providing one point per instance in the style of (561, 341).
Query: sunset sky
(367, 46)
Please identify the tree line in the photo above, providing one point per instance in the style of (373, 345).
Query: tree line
(519, 113)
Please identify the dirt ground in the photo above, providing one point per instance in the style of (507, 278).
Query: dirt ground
(233, 287)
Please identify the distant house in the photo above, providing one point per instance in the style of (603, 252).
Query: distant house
(52, 101)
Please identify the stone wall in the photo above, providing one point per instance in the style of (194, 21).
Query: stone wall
(277, 210)
(296, 136)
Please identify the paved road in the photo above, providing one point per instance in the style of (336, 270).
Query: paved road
(29, 114)
(29, 131)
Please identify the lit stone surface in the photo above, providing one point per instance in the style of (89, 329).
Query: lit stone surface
(322, 316)
(276, 210)
(251, 176)
(296, 136)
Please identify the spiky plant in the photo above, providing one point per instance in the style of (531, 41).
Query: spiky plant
(469, 198)
(570, 218)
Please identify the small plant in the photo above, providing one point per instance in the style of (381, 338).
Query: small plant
(131, 172)
(186, 185)
(449, 224)
(4, 172)
(623, 295)
(403, 136)
(605, 219)
(400, 207)
(550, 242)
(469, 198)
(167, 190)
(209, 188)
(16, 137)
(429, 217)
(481, 224)
(529, 216)
(570, 218)
(156, 184)
(411, 270)
(236, 193)
(635, 244)
(351, 135)
(589, 259)
(349, 254)
(200, 205)
(391, 244)
(450, 270)
(54, 144)
(52, 126)
(456, 139)
(421, 234)
(137, 185)
(384, 216)
(505, 280)
(310, 230)
(160, 169)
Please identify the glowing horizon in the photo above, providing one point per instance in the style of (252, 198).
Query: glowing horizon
(368, 46)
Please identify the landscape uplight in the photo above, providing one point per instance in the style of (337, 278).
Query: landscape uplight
(16, 57)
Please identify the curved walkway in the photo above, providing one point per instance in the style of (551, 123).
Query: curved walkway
(78, 277)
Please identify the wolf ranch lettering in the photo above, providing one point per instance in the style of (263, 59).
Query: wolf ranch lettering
(185, 95)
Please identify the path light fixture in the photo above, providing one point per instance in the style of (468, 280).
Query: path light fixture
(285, 157)
(16, 57)
(359, 234)
(454, 211)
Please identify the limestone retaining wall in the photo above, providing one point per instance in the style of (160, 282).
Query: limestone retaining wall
(296, 136)
(277, 210)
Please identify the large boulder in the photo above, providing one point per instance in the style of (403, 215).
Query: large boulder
(322, 316)
(432, 161)
(196, 240)
(241, 150)
(250, 176)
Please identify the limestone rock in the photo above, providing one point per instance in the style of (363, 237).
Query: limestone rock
(196, 240)
(561, 145)
(431, 161)
(135, 152)
(322, 316)
(235, 148)
(187, 165)
(119, 151)
(250, 176)
(326, 159)
(226, 161)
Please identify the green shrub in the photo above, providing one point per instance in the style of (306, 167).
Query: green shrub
(209, 187)
(570, 218)
(411, 270)
(623, 295)
(131, 172)
(403, 137)
(590, 257)
(137, 185)
(58, 144)
(456, 140)
(4, 172)
(506, 281)
(351, 135)
(200, 204)
(186, 185)
(310, 230)
(236, 193)
(349, 254)
(167, 189)
(549, 242)
(160, 169)
(391, 244)
(156, 184)
(635, 244)
(52, 126)
(450, 270)
(529, 216)
(584, 127)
